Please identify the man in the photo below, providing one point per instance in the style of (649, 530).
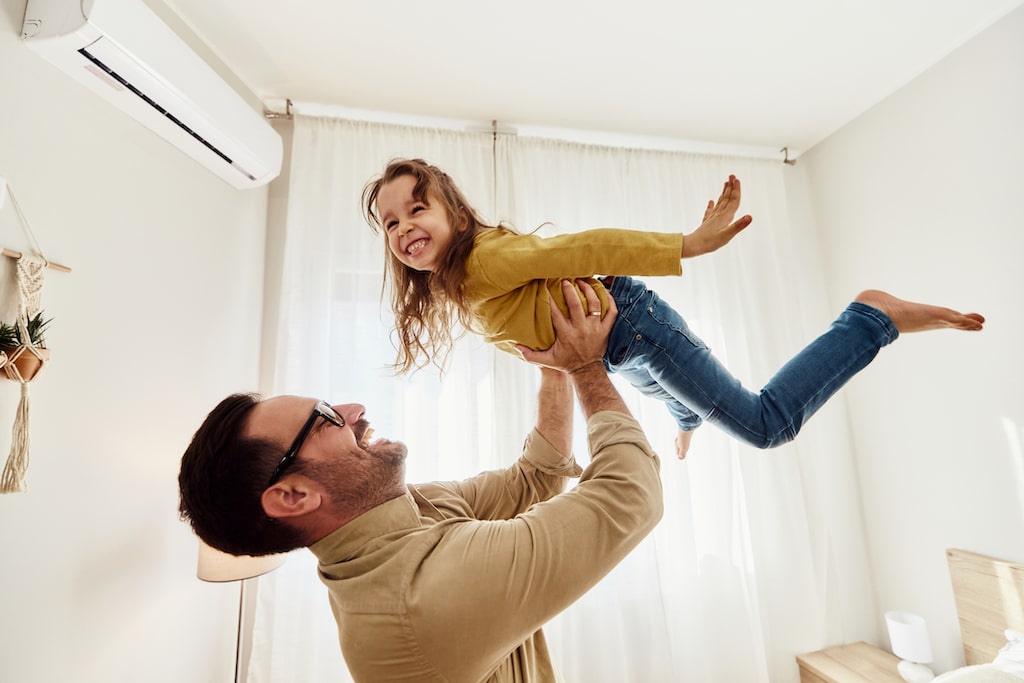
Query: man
(446, 581)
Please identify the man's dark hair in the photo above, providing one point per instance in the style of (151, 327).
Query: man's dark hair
(222, 478)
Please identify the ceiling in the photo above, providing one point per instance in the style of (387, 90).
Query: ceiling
(756, 73)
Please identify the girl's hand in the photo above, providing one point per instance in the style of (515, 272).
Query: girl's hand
(718, 227)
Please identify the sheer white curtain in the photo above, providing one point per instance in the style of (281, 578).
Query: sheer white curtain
(332, 342)
(759, 554)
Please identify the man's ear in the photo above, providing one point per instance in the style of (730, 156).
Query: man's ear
(293, 496)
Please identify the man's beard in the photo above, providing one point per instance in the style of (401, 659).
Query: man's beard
(382, 469)
(391, 452)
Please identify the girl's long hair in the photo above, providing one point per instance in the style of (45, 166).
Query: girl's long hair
(431, 309)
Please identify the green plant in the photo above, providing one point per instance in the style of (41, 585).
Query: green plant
(10, 335)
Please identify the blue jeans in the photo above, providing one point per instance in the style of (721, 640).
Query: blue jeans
(652, 347)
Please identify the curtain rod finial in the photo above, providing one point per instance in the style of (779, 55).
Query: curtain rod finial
(271, 109)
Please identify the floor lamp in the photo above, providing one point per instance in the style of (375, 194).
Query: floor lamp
(220, 567)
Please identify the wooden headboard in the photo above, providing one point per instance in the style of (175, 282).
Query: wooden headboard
(989, 596)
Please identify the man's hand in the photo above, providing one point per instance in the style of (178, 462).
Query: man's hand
(718, 228)
(580, 338)
(580, 343)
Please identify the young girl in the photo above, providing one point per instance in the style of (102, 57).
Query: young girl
(446, 265)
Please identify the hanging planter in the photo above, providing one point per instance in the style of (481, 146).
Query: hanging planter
(23, 351)
(26, 362)
(22, 359)
(24, 348)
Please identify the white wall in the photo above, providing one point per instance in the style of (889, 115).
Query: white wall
(159, 320)
(921, 196)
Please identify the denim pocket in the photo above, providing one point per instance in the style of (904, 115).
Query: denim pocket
(646, 325)
(667, 326)
(619, 342)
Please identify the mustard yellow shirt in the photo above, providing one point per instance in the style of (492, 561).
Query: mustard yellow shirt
(453, 581)
(510, 277)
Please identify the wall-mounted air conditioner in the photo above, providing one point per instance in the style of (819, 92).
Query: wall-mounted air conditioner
(124, 52)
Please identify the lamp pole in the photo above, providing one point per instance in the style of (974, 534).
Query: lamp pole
(215, 566)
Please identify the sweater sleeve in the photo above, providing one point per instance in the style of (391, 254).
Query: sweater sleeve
(540, 473)
(507, 261)
(530, 568)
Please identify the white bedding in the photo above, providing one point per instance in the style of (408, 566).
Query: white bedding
(979, 673)
(1007, 667)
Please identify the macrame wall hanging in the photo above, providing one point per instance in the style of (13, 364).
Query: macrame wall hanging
(23, 352)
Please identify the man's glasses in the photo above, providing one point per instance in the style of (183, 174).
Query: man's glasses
(321, 409)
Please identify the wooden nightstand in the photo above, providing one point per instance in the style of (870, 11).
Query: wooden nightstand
(853, 663)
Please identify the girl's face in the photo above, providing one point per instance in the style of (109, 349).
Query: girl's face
(418, 232)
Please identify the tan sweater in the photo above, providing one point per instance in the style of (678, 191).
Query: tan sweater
(510, 277)
(454, 581)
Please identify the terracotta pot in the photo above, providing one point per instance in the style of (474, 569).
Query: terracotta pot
(27, 363)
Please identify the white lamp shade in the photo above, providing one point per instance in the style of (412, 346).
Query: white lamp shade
(908, 635)
(215, 565)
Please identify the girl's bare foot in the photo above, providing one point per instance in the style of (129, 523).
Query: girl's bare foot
(908, 316)
(683, 443)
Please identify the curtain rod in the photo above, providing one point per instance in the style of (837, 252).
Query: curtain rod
(286, 109)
